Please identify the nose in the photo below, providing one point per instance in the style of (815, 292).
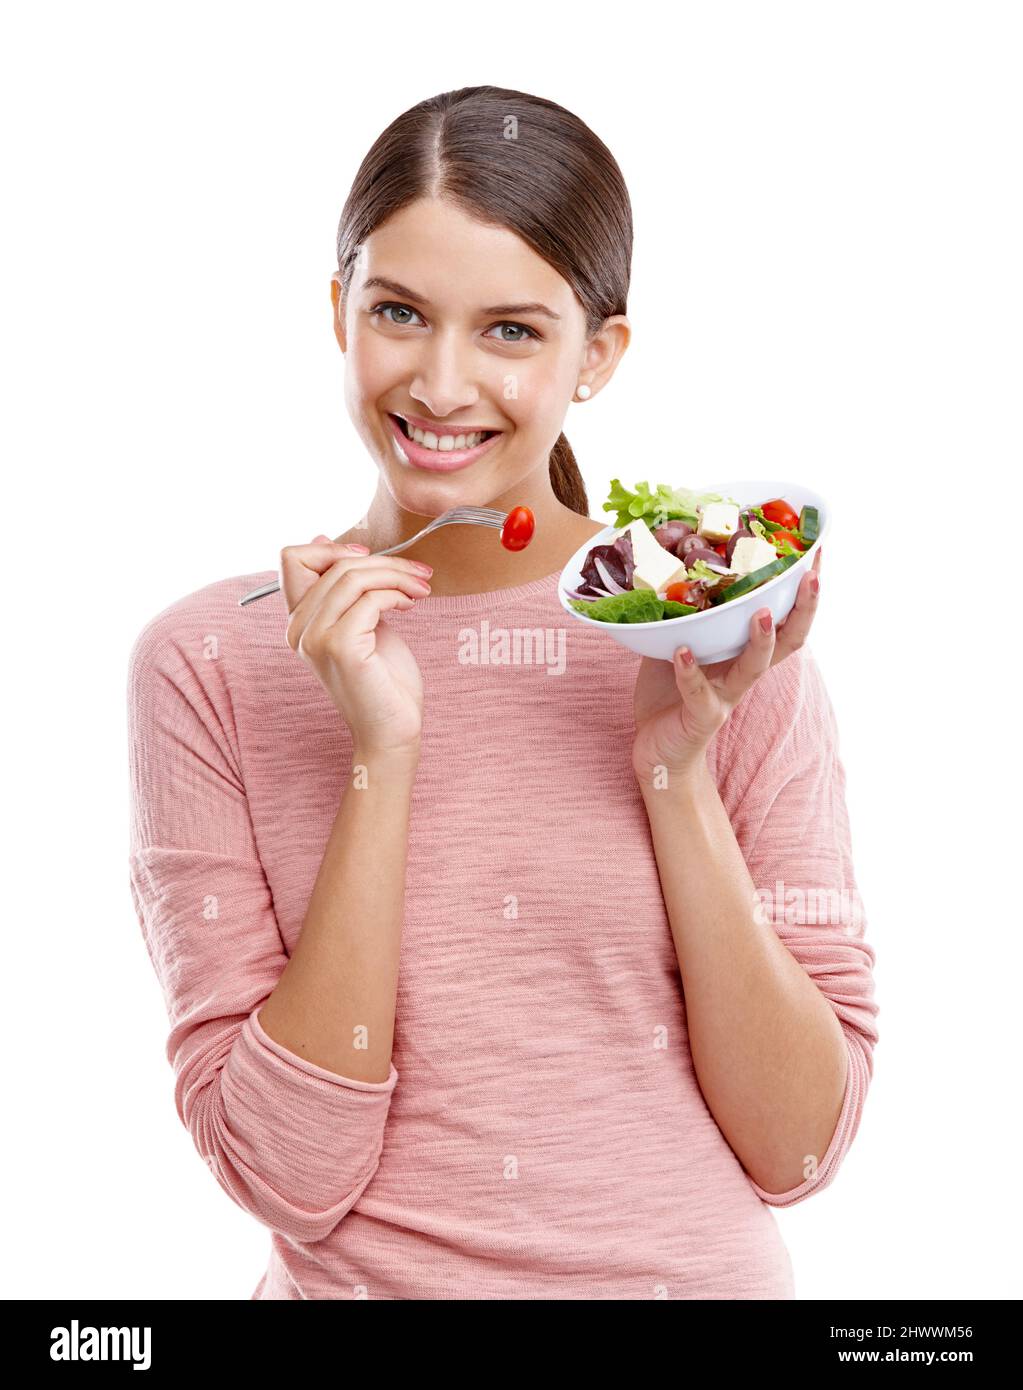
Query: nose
(444, 380)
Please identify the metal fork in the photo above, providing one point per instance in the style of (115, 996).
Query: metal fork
(457, 516)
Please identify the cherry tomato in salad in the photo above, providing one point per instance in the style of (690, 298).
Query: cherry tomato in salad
(779, 511)
(517, 531)
(776, 536)
(679, 593)
(722, 549)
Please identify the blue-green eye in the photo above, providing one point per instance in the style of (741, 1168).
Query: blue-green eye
(521, 327)
(381, 311)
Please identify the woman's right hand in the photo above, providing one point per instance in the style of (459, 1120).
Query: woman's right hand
(336, 596)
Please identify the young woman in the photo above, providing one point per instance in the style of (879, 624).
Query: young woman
(472, 991)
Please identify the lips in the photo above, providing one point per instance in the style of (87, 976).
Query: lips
(438, 460)
(411, 422)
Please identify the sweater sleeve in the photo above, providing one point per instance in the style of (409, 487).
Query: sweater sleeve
(290, 1142)
(783, 785)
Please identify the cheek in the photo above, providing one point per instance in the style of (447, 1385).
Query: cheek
(372, 367)
(531, 396)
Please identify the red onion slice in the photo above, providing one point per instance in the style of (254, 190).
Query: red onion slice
(609, 580)
(574, 593)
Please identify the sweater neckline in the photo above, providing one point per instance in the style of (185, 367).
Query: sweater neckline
(489, 598)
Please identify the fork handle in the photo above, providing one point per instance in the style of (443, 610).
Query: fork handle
(261, 592)
(274, 587)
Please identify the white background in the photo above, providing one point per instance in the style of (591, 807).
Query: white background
(826, 287)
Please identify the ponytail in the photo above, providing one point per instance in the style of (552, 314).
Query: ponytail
(566, 480)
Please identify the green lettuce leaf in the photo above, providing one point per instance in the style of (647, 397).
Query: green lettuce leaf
(657, 507)
(764, 523)
(635, 606)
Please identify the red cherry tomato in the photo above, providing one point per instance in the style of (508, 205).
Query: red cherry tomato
(517, 531)
(779, 511)
(776, 536)
(721, 549)
(679, 593)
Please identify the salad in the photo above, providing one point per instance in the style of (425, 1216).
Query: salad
(682, 552)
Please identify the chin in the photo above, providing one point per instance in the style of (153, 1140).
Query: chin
(428, 494)
(425, 496)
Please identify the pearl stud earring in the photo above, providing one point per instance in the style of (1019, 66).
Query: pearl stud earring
(583, 392)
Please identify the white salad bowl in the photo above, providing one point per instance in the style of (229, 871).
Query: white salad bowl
(722, 632)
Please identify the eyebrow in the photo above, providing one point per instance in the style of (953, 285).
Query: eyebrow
(377, 282)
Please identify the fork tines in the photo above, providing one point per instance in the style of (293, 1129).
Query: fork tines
(484, 516)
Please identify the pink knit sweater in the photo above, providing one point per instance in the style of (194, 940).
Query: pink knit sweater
(542, 1133)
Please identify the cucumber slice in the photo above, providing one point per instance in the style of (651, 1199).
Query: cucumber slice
(809, 524)
(754, 579)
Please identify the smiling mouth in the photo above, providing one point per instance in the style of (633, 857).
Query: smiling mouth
(444, 443)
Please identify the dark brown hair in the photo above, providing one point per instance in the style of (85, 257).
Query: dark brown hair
(511, 160)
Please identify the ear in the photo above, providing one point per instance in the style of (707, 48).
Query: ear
(338, 307)
(604, 351)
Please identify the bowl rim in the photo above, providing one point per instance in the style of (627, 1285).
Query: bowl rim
(779, 487)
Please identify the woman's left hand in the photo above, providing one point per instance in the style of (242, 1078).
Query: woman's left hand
(679, 708)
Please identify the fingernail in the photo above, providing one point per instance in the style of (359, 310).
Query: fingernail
(765, 622)
(687, 657)
(363, 548)
(427, 569)
(815, 584)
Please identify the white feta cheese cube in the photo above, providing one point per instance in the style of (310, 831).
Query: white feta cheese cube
(718, 521)
(751, 553)
(656, 567)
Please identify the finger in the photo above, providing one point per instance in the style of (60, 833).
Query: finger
(753, 660)
(355, 631)
(698, 695)
(335, 601)
(344, 557)
(302, 565)
(793, 631)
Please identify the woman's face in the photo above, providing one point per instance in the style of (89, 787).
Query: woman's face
(460, 339)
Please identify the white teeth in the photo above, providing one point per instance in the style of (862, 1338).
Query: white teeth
(446, 441)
